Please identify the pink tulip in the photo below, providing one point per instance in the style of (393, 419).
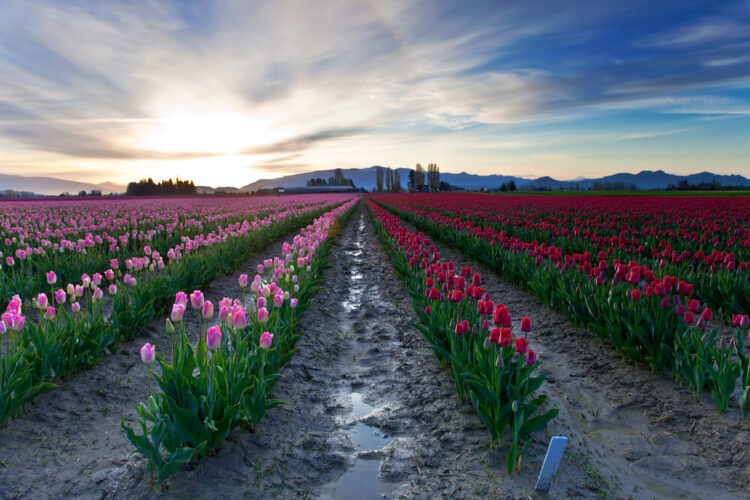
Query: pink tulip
(50, 313)
(41, 301)
(79, 291)
(96, 279)
(261, 269)
(70, 289)
(177, 312)
(76, 307)
(293, 303)
(278, 300)
(240, 320)
(148, 354)
(266, 339)
(242, 280)
(261, 302)
(114, 265)
(225, 312)
(97, 295)
(196, 299)
(51, 278)
(60, 296)
(213, 338)
(208, 309)
(109, 274)
(262, 315)
(113, 289)
(181, 298)
(2, 328)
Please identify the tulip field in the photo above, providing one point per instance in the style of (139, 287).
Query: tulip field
(664, 280)
(80, 281)
(233, 342)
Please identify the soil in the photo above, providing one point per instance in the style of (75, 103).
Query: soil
(370, 413)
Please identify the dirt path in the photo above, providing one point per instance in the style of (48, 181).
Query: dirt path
(633, 433)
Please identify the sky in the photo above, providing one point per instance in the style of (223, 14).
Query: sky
(225, 93)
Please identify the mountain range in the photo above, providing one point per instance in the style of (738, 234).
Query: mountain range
(365, 177)
(54, 186)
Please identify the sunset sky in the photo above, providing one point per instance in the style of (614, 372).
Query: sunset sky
(226, 93)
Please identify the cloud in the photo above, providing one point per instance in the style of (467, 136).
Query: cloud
(300, 143)
(283, 168)
(96, 81)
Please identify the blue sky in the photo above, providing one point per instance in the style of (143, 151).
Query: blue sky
(229, 92)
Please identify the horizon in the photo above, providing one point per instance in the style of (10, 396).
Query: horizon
(115, 93)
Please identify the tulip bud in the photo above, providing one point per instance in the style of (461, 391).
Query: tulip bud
(148, 353)
(208, 309)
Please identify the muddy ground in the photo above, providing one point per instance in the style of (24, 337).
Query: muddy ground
(371, 414)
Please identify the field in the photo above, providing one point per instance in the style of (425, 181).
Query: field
(397, 345)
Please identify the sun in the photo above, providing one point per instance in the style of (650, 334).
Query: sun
(204, 132)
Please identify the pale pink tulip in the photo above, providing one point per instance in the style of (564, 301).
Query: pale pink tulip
(213, 338)
(266, 339)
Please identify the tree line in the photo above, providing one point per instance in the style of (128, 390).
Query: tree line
(337, 179)
(419, 179)
(147, 187)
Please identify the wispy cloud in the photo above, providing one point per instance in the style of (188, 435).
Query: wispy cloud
(300, 143)
(298, 84)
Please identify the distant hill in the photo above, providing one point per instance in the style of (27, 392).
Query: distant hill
(221, 190)
(54, 186)
(365, 177)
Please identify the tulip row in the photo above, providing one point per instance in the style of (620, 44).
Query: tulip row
(491, 368)
(710, 248)
(224, 378)
(76, 236)
(646, 318)
(64, 339)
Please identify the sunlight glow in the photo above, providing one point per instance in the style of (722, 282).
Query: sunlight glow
(210, 132)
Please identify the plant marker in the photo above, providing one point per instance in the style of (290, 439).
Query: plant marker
(551, 462)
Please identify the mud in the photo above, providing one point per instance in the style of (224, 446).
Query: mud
(371, 414)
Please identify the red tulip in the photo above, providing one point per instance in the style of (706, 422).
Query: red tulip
(525, 324)
(521, 345)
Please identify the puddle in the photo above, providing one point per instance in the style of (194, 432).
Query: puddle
(354, 301)
(362, 480)
(361, 409)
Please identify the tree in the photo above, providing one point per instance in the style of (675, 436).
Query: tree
(379, 179)
(410, 184)
(150, 188)
(433, 177)
(419, 178)
(389, 180)
(338, 178)
(396, 182)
